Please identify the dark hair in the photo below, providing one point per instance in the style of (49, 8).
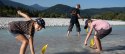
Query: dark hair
(86, 23)
(40, 22)
(78, 5)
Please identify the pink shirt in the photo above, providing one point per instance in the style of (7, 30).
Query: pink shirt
(100, 24)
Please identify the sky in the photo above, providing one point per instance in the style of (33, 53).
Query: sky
(85, 4)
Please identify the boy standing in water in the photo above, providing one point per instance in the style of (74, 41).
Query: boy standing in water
(101, 28)
(24, 31)
(75, 14)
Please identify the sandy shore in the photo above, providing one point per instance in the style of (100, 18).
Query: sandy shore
(51, 21)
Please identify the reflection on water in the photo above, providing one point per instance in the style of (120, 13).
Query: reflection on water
(58, 43)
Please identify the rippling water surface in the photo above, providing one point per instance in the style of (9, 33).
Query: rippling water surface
(58, 43)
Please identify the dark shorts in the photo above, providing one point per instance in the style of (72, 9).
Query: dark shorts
(15, 33)
(102, 33)
(78, 29)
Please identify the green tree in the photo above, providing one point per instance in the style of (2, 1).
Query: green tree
(108, 15)
(121, 16)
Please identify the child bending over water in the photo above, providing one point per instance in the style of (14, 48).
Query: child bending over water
(24, 31)
(101, 28)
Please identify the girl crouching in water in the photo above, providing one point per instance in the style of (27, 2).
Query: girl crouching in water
(101, 28)
(24, 31)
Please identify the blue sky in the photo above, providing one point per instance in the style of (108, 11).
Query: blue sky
(85, 4)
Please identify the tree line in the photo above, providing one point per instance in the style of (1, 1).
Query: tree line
(109, 15)
(7, 11)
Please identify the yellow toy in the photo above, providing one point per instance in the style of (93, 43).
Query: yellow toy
(44, 49)
(92, 42)
(87, 30)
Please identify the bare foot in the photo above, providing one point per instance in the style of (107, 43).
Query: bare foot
(68, 33)
(98, 51)
(93, 47)
(68, 37)
(79, 36)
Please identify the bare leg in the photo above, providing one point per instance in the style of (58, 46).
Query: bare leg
(98, 44)
(68, 36)
(24, 42)
(68, 33)
(79, 35)
(31, 45)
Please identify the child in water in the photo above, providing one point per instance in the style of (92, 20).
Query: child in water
(75, 15)
(101, 28)
(24, 31)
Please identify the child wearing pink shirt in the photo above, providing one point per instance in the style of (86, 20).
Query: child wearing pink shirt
(101, 28)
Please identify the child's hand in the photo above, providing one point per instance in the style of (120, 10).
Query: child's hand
(85, 43)
(19, 12)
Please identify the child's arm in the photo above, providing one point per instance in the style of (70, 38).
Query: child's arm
(80, 17)
(88, 35)
(24, 15)
(31, 45)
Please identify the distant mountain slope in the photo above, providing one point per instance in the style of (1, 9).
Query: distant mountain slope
(36, 6)
(1, 3)
(8, 8)
(94, 11)
(16, 4)
(59, 8)
(64, 9)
